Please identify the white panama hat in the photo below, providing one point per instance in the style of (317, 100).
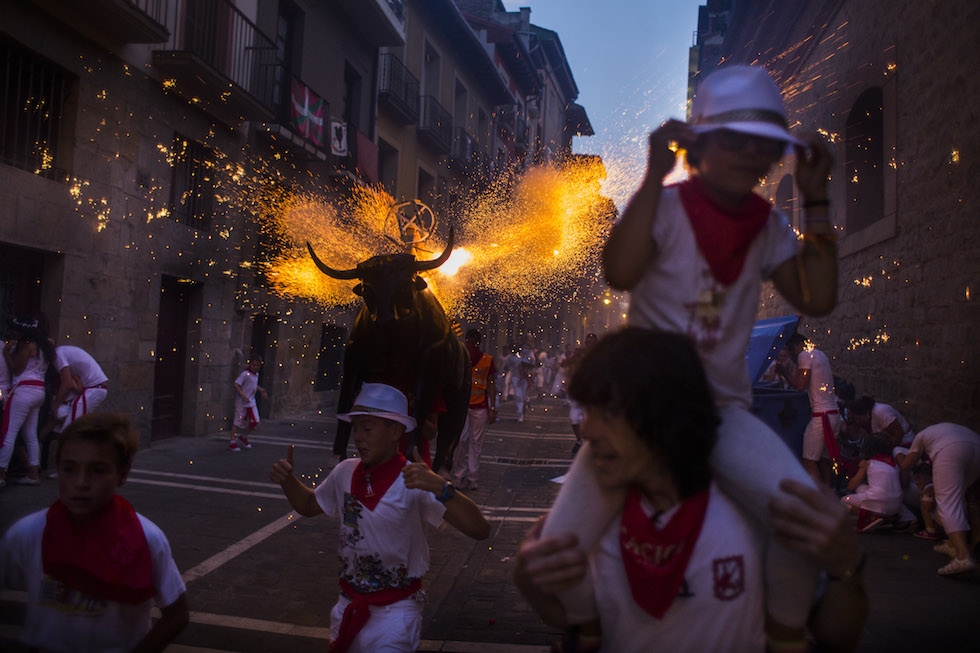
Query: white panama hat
(380, 400)
(743, 99)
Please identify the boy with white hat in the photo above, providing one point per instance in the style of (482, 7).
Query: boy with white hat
(383, 502)
(693, 256)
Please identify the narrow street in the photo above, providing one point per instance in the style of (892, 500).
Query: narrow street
(261, 579)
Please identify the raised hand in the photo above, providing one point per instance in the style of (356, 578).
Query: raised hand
(813, 164)
(661, 156)
(282, 470)
(418, 475)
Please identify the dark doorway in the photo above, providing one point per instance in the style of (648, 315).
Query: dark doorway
(20, 283)
(171, 357)
(328, 361)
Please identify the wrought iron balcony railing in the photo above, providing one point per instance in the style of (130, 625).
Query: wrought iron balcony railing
(398, 91)
(436, 125)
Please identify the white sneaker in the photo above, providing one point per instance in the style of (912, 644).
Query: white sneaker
(233, 446)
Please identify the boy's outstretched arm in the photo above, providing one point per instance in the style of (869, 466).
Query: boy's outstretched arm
(809, 281)
(174, 618)
(301, 498)
(461, 513)
(631, 245)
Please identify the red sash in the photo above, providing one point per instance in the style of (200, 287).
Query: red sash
(357, 612)
(81, 398)
(108, 557)
(655, 560)
(369, 485)
(10, 402)
(723, 235)
(828, 434)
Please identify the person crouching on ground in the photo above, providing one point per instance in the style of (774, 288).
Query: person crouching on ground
(383, 502)
(92, 566)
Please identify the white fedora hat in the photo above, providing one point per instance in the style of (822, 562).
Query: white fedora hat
(380, 400)
(743, 99)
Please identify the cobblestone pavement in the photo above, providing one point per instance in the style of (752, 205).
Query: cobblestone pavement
(261, 579)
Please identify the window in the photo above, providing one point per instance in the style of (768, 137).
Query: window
(33, 94)
(426, 188)
(192, 198)
(288, 29)
(352, 100)
(864, 161)
(388, 167)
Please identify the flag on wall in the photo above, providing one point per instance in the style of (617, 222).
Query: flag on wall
(307, 113)
(338, 138)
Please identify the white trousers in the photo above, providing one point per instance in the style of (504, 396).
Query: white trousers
(520, 395)
(466, 460)
(23, 407)
(79, 405)
(748, 460)
(395, 628)
(954, 470)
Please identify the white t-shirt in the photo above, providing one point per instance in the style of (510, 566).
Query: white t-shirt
(62, 619)
(34, 370)
(5, 381)
(720, 606)
(249, 383)
(882, 415)
(933, 439)
(385, 547)
(82, 365)
(822, 397)
(678, 294)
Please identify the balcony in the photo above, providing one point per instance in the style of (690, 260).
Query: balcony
(398, 92)
(218, 59)
(435, 126)
(302, 118)
(118, 21)
(382, 22)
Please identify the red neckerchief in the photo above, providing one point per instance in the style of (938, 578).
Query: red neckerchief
(723, 235)
(369, 485)
(107, 557)
(655, 559)
(883, 458)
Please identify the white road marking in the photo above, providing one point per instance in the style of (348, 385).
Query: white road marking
(213, 479)
(205, 488)
(238, 548)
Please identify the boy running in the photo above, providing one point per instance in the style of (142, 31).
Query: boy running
(246, 411)
(383, 503)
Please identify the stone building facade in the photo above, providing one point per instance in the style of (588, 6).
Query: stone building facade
(891, 86)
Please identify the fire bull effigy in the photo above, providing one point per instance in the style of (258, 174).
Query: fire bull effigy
(403, 337)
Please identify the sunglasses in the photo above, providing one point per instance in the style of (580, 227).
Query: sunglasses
(733, 141)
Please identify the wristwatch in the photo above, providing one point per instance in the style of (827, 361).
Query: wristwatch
(448, 492)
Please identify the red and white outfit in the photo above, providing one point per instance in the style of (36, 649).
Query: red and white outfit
(466, 459)
(20, 414)
(955, 454)
(5, 381)
(882, 415)
(246, 410)
(680, 293)
(67, 620)
(825, 420)
(93, 381)
(883, 493)
(720, 604)
(383, 550)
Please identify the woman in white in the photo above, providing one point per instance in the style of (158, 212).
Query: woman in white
(955, 454)
(27, 357)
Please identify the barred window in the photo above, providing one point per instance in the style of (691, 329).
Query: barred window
(864, 164)
(33, 93)
(192, 197)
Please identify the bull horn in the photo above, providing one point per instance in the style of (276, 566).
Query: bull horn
(422, 266)
(330, 272)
